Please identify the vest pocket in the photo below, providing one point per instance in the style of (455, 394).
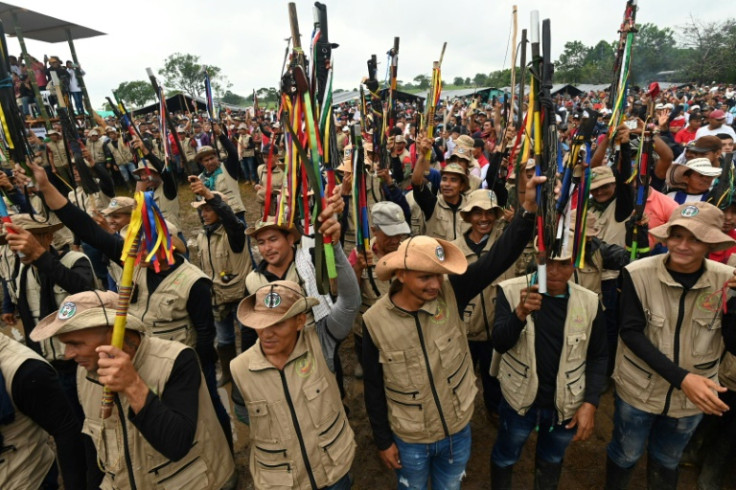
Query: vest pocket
(451, 352)
(336, 447)
(191, 476)
(273, 468)
(105, 441)
(406, 413)
(514, 378)
(575, 345)
(706, 337)
(262, 426)
(575, 392)
(321, 405)
(655, 332)
(635, 374)
(463, 389)
(178, 331)
(395, 369)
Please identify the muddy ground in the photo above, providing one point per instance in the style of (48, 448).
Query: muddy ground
(584, 466)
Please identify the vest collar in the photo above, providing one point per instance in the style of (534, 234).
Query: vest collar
(664, 276)
(431, 308)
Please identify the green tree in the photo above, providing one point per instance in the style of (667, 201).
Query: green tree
(708, 52)
(458, 81)
(480, 80)
(136, 93)
(569, 68)
(422, 82)
(468, 81)
(598, 63)
(502, 78)
(234, 99)
(183, 72)
(654, 51)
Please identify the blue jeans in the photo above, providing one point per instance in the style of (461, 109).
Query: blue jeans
(78, 104)
(250, 169)
(225, 328)
(443, 461)
(344, 483)
(127, 170)
(514, 430)
(666, 436)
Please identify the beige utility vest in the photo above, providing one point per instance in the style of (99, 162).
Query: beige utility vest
(228, 186)
(243, 141)
(169, 207)
(418, 223)
(696, 345)
(164, 312)
(255, 280)
(446, 223)
(590, 276)
(52, 349)
(367, 293)
(80, 199)
(207, 465)
(96, 150)
(25, 465)
(517, 371)
(120, 153)
(115, 271)
(8, 262)
(480, 311)
(427, 370)
(58, 153)
(277, 182)
(727, 371)
(220, 263)
(611, 232)
(297, 421)
(189, 151)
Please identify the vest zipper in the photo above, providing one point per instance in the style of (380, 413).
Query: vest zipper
(209, 256)
(126, 450)
(271, 451)
(431, 378)
(412, 393)
(676, 353)
(295, 421)
(485, 316)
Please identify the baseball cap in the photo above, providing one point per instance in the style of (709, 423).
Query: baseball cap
(389, 218)
(717, 114)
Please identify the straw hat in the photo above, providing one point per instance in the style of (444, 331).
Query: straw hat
(424, 254)
(702, 166)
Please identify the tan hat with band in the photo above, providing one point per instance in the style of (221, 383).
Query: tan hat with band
(455, 168)
(483, 199)
(80, 311)
(270, 223)
(274, 303)
(120, 204)
(204, 151)
(424, 254)
(600, 176)
(702, 219)
(25, 221)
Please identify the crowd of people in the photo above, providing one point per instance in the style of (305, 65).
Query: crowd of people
(24, 76)
(447, 290)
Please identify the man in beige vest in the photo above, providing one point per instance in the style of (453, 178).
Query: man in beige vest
(389, 230)
(673, 334)
(442, 212)
(552, 376)
(224, 257)
(247, 154)
(418, 374)
(222, 177)
(300, 434)
(33, 408)
(163, 431)
(119, 153)
(58, 158)
(154, 176)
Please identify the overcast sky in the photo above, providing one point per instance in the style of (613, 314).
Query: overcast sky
(246, 38)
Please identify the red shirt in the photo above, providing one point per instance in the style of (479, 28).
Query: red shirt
(723, 255)
(685, 136)
(482, 160)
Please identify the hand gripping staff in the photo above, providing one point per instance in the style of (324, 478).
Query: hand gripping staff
(621, 69)
(433, 97)
(148, 240)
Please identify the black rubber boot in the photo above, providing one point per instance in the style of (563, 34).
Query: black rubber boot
(546, 475)
(617, 478)
(501, 477)
(226, 353)
(659, 477)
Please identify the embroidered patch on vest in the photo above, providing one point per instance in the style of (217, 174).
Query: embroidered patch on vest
(441, 315)
(689, 211)
(709, 301)
(67, 310)
(272, 300)
(440, 253)
(305, 366)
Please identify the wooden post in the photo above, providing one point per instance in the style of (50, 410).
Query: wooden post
(30, 72)
(510, 115)
(80, 79)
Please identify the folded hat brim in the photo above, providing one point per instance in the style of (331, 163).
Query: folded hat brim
(258, 320)
(706, 234)
(415, 260)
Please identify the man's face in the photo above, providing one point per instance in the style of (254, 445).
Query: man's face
(275, 247)
(558, 273)
(209, 216)
(727, 145)
(487, 126)
(686, 251)
(697, 183)
(197, 129)
(604, 193)
(729, 219)
(94, 137)
(113, 135)
(280, 339)
(482, 220)
(81, 345)
(715, 123)
(55, 137)
(210, 162)
(696, 121)
(118, 220)
(451, 185)
(423, 286)
(477, 152)
(386, 243)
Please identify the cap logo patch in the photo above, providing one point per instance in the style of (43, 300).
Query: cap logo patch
(690, 211)
(440, 253)
(67, 310)
(113, 203)
(272, 300)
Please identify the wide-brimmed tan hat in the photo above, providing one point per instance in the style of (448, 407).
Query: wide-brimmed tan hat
(565, 252)
(600, 176)
(702, 166)
(179, 245)
(274, 303)
(202, 202)
(204, 151)
(80, 311)
(462, 152)
(702, 219)
(270, 223)
(143, 166)
(483, 199)
(93, 132)
(25, 221)
(121, 204)
(424, 254)
(455, 168)
(110, 129)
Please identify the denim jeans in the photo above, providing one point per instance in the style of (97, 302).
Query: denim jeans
(634, 428)
(443, 461)
(127, 170)
(482, 351)
(344, 483)
(78, 103)
(225, 325)
(514, 430)
(249, 169)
